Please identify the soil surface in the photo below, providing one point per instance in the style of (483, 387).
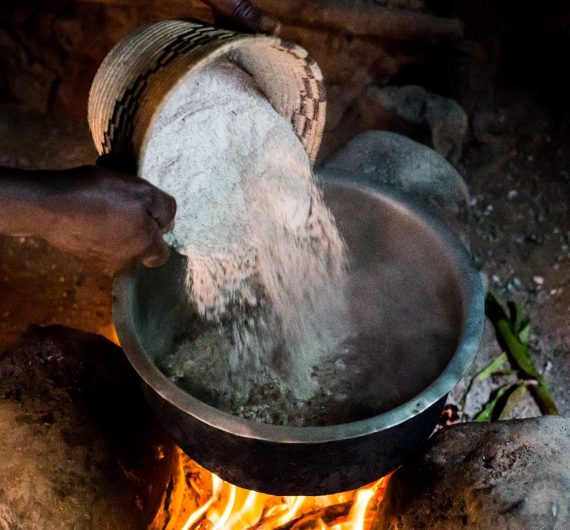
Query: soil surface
(517, 168)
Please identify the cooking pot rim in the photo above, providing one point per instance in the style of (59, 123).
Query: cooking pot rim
(473, 300)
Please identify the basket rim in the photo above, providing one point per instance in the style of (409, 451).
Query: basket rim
(101, 107)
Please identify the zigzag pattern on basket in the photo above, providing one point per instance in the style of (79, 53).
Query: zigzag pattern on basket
(119, 132)
(307, 121)
(313, 96)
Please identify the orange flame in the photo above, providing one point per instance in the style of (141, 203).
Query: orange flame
(209, 503)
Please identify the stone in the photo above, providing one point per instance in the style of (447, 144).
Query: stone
(432, 119)
(79, 448)
(398, 162)
(508, 474)
(358, 44)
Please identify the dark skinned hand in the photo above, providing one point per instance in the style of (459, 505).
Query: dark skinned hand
(242, 15)
(112, 217)
(109, 217)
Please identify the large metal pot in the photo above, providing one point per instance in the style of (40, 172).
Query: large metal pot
(407, 268)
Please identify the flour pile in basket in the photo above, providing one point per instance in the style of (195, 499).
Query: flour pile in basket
(266, 264)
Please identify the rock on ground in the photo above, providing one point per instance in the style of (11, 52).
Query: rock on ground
(78, 447)
(510, 474)
(429, 118)
(396, 161)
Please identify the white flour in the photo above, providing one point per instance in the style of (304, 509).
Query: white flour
(265, 261)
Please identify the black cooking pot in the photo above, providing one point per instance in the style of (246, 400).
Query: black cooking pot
(410, 277)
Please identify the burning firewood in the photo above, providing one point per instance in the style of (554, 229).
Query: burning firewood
(329, 515)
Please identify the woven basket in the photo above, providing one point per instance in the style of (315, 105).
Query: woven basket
(138, 74)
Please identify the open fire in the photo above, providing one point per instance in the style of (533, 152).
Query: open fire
(202, 501)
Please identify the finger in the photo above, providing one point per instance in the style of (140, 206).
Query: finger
(269, 25)
(157, 260)
(157, 253)
(244, 15)
(162, 209)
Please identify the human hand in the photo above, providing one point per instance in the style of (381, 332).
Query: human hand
(107, 216)
(244, 16)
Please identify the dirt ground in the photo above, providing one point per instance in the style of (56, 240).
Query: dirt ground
(517, 167)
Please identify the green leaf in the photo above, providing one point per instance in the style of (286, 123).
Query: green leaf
(516, 316)
(487, 413)
(515, 397)
(493, 308)
(524, 334)
(494, 366)
(514, 343)
(505, 372)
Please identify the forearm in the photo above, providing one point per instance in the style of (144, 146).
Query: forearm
(94, 212)
(26, 201)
